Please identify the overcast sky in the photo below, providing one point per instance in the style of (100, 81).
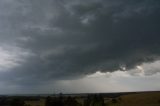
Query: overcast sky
(78, 46)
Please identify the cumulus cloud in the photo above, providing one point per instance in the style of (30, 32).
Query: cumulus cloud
(71, 39)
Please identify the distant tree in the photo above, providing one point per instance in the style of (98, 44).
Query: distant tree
(27, 105)
(59, 101)
(87, 101)
(55, 101)
(2, 101)
(114, 100)
(97, 101)
(17, 102)
(119, 98)
(48, 101)
(101, 100)
(71, 102)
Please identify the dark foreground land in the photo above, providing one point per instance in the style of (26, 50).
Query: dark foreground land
(103, 99)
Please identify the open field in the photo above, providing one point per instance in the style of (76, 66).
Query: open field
(40, 102)
(103, 99)
(137, 99)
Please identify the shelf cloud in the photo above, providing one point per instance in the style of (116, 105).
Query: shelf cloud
(60, 40)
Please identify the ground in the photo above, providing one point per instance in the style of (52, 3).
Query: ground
(137, 99)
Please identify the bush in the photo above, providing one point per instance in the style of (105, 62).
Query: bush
(114, 101)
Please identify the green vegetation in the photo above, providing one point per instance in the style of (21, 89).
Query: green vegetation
(124, 99)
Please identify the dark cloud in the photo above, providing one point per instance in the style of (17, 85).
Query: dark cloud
(69, 39)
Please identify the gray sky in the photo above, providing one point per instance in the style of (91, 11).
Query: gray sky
(77, 46)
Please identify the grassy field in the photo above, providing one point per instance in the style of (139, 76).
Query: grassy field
(137, 99)
(128, 99)
(40, 102)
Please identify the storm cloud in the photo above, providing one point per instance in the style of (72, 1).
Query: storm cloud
(47, 40)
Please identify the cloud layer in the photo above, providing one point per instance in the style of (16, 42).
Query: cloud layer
(58, 39)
